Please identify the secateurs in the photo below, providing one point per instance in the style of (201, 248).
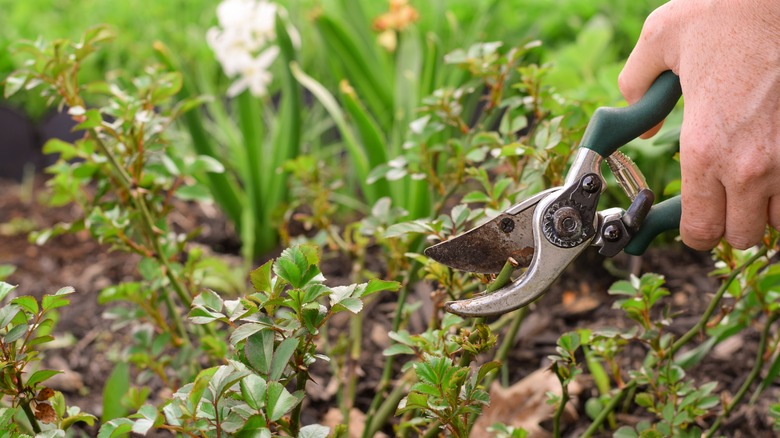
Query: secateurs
(546, 232)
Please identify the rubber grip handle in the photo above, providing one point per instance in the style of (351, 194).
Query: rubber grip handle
(663, 216)
(610, 128)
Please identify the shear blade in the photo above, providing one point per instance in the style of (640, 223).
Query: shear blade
(486, 248)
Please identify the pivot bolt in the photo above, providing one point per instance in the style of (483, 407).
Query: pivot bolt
(591, 184)
(612, 233)
(507, 225)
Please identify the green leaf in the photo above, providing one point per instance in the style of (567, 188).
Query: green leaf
(282, 356)
(80, 417)
(93, 119)
(261, 278)
(199, 386)
(245, 331)
(224, 378)
(15, 333)
(29, 304)
(397, 349)
(7, 314)
(116, 428)
(5, 289)
(376, 285)
(49, 302)
(208, 299)
(279, 401)
(625, 432)
(253, 391)
(116, 386)
(40, 376)
(259, 350)
(487, 368)
(194, 192)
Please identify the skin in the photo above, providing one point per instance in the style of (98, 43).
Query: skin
(727, 54)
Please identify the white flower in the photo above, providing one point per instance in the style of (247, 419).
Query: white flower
(254, 75)
(243, 43)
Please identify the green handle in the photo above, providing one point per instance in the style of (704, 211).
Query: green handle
(663, 216)
(611, 128)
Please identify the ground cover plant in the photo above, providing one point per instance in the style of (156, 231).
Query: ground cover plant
(329, 320)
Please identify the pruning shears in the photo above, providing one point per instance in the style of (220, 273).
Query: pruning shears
(548, 231)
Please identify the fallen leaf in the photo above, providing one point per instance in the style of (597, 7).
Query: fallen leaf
(524, 404)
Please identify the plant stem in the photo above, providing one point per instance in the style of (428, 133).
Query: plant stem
(295, 415)
(754, 374)
(559, 410)
(30, 416)
(690, 334)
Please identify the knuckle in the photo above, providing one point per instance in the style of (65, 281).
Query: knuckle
(741, 241)
(701, 235)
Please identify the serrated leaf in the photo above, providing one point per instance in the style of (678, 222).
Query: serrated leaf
(487, 368)
(29, 304)
(49, 302)
(259, 350)
(281, 357)
(245, 331)
(279, 401)
(253, 391)
(261, 278)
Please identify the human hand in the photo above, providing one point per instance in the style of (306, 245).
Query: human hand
(727, 54)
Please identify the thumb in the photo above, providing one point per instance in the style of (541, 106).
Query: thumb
(648, 60)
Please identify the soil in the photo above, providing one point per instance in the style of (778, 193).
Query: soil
(86, 341)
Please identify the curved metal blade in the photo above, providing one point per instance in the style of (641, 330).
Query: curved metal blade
(546, 267)
(486, 248)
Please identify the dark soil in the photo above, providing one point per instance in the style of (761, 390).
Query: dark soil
(85, 340)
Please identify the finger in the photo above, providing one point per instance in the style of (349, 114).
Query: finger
(746, 216)
(774, 212)
(703, 219)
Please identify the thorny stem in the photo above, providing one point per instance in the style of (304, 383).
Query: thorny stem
(690, 334)
(754, 374)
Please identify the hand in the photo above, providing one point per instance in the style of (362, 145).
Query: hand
(727, 54)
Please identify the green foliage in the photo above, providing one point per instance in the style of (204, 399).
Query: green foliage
(25, 324)
(272, 340)
(447, 393)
